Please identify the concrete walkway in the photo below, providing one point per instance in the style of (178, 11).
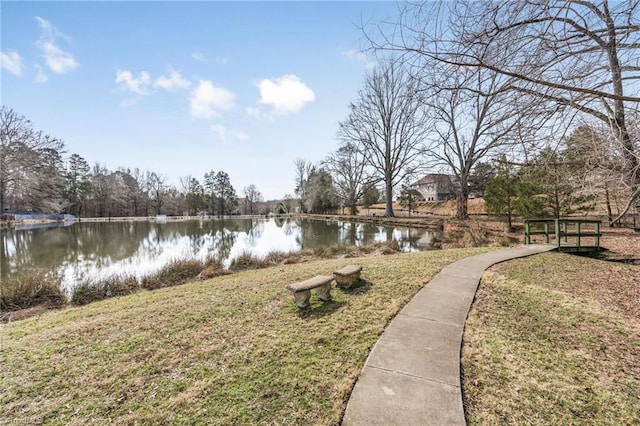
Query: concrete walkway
(412, 376)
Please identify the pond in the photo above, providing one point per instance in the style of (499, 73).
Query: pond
(84, 251)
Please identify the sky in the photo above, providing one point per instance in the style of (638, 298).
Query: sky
(182, 88)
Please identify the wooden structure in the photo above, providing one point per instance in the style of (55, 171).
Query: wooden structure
(559, 231)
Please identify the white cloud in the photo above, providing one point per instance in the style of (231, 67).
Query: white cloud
(50, 32)
(208, 100)
(361, 57)
(173, 81)
(226, 135)
(197, 56)
(222, 60)
(286, 94)
(56, 59)
(259, 114)
(12, 62)
(128, 81)
(41, 77)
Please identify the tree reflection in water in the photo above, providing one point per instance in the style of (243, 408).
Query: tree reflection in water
(98, 250)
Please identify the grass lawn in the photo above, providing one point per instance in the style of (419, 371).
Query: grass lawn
(554, 339)
(230, 350)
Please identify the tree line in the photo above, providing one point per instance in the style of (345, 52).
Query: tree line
(538, 98)
(535, 101)
(35, 177)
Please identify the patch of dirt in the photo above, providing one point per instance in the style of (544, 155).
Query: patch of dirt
(21, 314)
(611, 284)
(623, 241)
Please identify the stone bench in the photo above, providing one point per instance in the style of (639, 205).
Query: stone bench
(347, 275)
(302, 290)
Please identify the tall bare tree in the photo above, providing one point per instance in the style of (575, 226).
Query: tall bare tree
(579, 54)
(252, 196)
(351, 176)
(596, 161)
(388, 123)
(475, 118)
(157, 186)
(27, 158)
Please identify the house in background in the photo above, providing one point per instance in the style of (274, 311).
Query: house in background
(435, 187)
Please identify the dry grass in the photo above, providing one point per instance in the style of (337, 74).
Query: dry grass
(89, 291)
(439, 208)
(36, 287)
(554, 339)
(42, 289)
(231, 350)
(478, 233)
(177, 272)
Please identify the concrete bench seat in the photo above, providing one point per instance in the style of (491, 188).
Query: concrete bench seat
(302, 290)
(347, 275)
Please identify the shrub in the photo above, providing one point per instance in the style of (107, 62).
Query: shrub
(120, 286)
(32, 288)
(247, 260)
(92, 291)
(276, 257)
(87, 292)
(176, 272)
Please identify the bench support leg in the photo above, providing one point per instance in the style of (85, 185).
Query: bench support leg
(324, 292)
(302, 298)
(345, 281)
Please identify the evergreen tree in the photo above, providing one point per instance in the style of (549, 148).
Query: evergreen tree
(225, 194)
(209, 185)
(77, 183)
(408, 198)
(499, 194)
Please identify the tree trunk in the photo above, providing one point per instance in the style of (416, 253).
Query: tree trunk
(461, 204)
(389, 199)
(608, 201)
(620, 127)
(509, 215)
(1, 195)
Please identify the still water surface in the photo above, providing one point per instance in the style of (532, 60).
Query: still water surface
(92, 251)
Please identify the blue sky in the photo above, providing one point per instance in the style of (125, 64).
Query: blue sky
(182, 88)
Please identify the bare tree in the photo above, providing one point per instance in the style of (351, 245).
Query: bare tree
(388, 123)
(475, 118)
(24, 155)
(46, 193)
(193, 192)
(157, 186)
(304, 169)
(102, 189)
(351, 177)
(579, 54)
(252, 196)
(597, 163)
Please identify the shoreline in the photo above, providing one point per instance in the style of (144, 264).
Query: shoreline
(431, 221)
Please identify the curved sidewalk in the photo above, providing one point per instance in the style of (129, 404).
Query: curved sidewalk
(412, 375)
